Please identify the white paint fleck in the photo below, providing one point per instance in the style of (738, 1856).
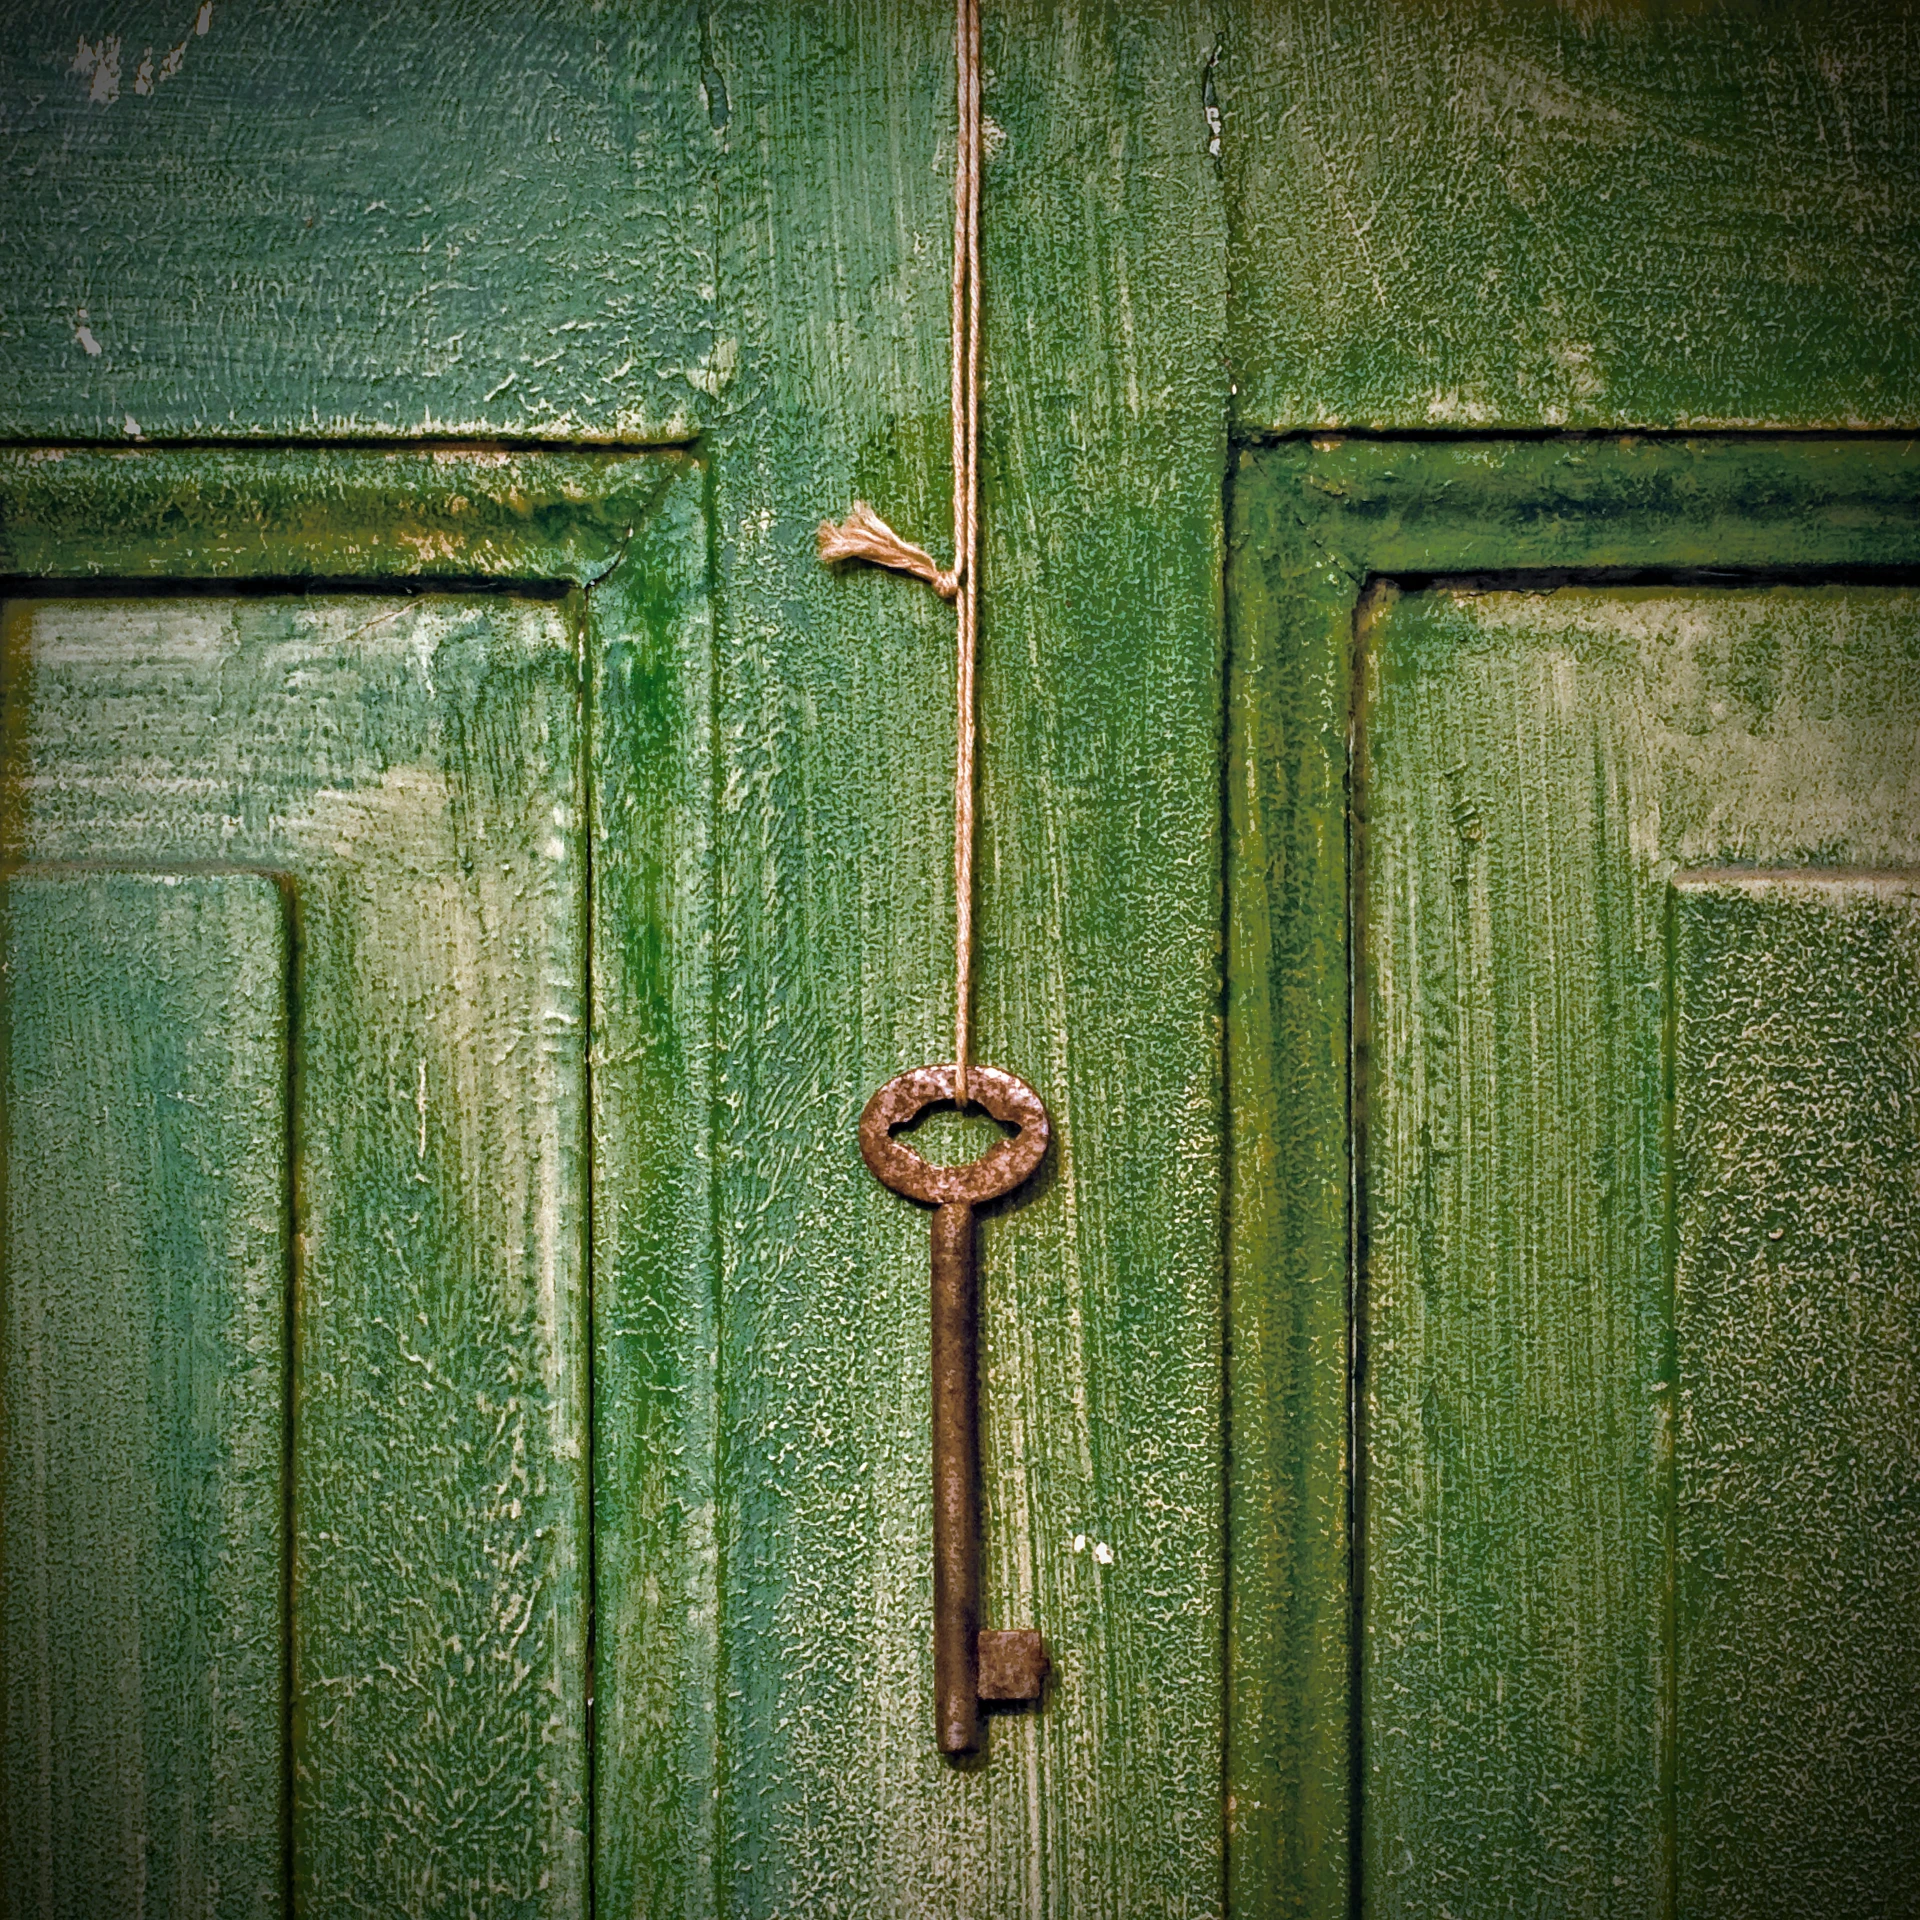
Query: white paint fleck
(100, 65)
(133, 428)
(424, 641)
(1079, 1543)
(204, 19)
(1213, 129)
(143, 76)
(1457, 409)
(1103, 1553)
(712, 373)
(84, 334)
(420, 1106)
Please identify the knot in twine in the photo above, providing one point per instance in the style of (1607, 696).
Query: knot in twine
(863, 535)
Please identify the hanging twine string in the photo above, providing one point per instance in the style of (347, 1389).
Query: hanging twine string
(865, 536)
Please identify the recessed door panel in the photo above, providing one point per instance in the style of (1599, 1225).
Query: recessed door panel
(143, 1372)
(414, 767)
(1536, 769)
(1796, 1143)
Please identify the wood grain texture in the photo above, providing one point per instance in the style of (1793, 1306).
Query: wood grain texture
(314, 219)
(1796, 1207)
(145, 1381)
(336, 220)
(1098, 969)
(1524, 215)
(1290, 1734)
(448, 514)
(1535, 769)
(655, 1315)
(416, 767)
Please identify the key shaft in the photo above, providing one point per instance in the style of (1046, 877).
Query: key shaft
(956, 1481)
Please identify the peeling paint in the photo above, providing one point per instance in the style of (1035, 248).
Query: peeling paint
(84, 334)
(100, 67)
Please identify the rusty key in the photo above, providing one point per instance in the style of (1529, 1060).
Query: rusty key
(969, 1665)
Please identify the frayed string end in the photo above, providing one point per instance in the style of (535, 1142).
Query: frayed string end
(863, 535)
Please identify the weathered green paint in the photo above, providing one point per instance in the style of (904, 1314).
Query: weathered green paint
(346, 220)
(1098, 974)
(337, 220)
(143, 1376)
(632, 534)
(1311, 525)
(1535, 768)
(657, 1677)
(731, 219)
(544, 520)
(1796, 1003)
(1447, 214)
(416, 767)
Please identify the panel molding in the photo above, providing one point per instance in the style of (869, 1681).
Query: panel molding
(616, 546)
(1317, 523)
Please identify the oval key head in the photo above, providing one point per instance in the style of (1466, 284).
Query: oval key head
(999, 1170)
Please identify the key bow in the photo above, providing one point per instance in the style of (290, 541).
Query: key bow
(999, 1170)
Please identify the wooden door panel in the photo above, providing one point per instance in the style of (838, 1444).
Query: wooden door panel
(1796, 1173)
(415, 766)
(144, 1374)
(1535, 770)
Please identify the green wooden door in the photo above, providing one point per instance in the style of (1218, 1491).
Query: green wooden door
(571, 323)
(1626, 1077)
(388, 791)
(296, 1347)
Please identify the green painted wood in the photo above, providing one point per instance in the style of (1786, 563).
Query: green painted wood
(1288, 1758)
(1796, 1207)
(314, 219)
(332, 220)
(1520, 216)
(1535, 768)
(416, 765)
(1311, 522)
(454, 514)
(1099, 973)
(630, 532)
(144, 1387)
(655, 1390)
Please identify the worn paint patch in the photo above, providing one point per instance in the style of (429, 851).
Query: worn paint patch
(98, 64)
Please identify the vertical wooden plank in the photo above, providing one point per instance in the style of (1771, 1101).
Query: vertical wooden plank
(1099, 967)
(1289, 1649)
(144, 1387)
(416, 763)
(1797, 1326)
(656, 1601)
